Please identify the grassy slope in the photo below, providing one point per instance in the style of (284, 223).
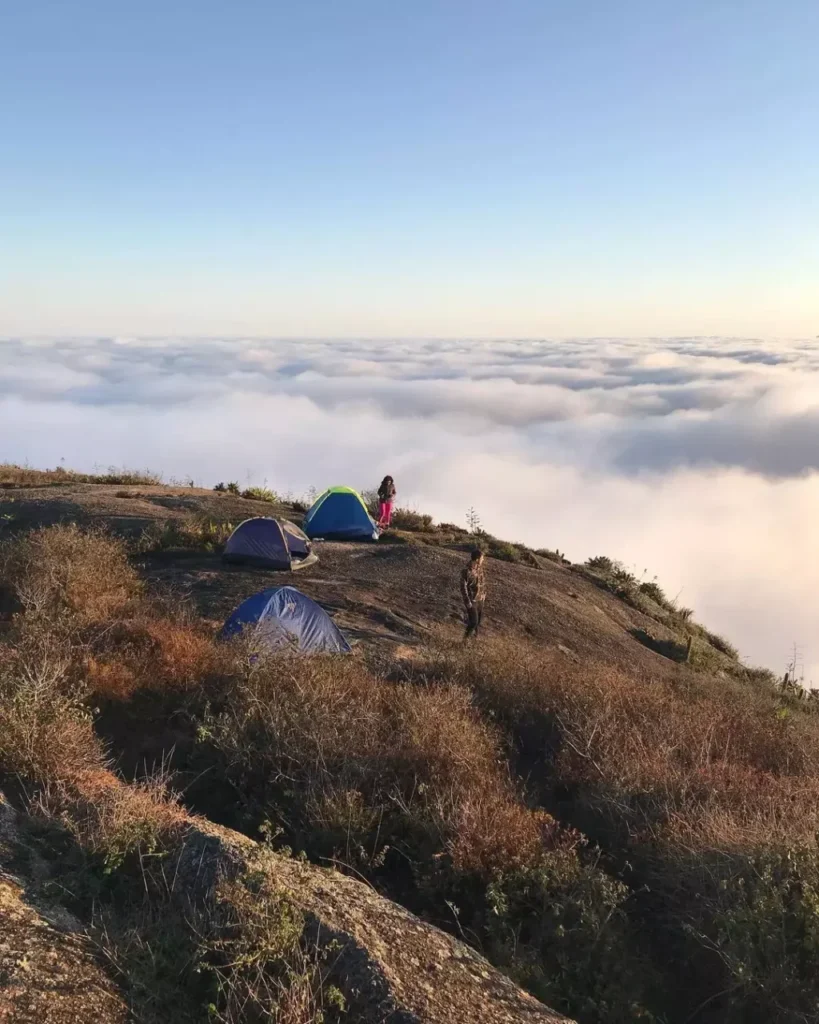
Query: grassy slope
(463, 783)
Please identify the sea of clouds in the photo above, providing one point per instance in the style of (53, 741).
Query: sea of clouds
(695, 460)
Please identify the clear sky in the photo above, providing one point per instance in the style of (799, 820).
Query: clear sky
(437, 167)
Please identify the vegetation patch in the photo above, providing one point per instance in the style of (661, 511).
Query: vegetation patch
(628, 845)
(12, 475)
(191, 533)
(261, 494)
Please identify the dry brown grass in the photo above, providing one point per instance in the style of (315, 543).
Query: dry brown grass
(63, 570)
(12, 475)
(47, 741)
(362, 752)
(703, 763)
(149, 653)
(191, 533)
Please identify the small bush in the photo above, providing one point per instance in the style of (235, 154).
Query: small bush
(264, 966)
(118, 822)
(552, 556)
(260, 494)
(193, 533)
(601, 564)
(220, 487)
(153, 654)
(560, 929)
(46, 734)
(508, 552)
(763, 921)
(407, 519)
(653, 590)
(502, 550)
(60, 570)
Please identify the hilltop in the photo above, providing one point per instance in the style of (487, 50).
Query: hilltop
(597, 799)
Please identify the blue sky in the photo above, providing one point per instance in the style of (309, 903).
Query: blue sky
(448, 168)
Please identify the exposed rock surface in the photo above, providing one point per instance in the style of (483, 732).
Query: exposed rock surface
(414, 972)
(48, 973)
(405, 971)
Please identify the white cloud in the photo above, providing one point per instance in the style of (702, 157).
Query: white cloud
(695, 459)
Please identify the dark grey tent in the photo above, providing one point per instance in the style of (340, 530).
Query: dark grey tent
(269, 544)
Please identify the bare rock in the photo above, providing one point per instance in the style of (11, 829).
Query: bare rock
(48, 974)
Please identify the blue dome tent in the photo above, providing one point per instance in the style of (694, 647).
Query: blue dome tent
(340, 514)
(283, 618)
(269, 544)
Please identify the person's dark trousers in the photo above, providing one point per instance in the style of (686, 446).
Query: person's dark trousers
(473, 619)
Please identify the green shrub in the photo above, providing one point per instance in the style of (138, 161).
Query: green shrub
(763, 921)
(260, 494)
(560, 929)
(653, 590)
(504, 551)
(265, 967)
(600, 563)
(552, 556)
(408, 519)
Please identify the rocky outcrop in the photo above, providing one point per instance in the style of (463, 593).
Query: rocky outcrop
(409, 971)
(48, 973)
(402, 970)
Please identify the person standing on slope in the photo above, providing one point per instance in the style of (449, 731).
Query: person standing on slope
(473, 592)
(386, 499)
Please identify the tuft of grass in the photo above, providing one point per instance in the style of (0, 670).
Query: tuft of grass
(263, 964)
(722, 644)
(508, 552)
(192, 533)
(260, 494)
(553, 556)
(64, 570)
(155, 654)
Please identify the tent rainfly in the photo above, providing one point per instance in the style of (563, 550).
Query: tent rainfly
(269, 544)
(340, 514)
(283, 618)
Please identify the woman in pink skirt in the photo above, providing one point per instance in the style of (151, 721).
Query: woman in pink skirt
(386, 499)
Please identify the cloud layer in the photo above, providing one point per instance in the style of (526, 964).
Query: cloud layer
(694, 458)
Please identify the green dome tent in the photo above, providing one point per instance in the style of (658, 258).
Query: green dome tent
(340, 514)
